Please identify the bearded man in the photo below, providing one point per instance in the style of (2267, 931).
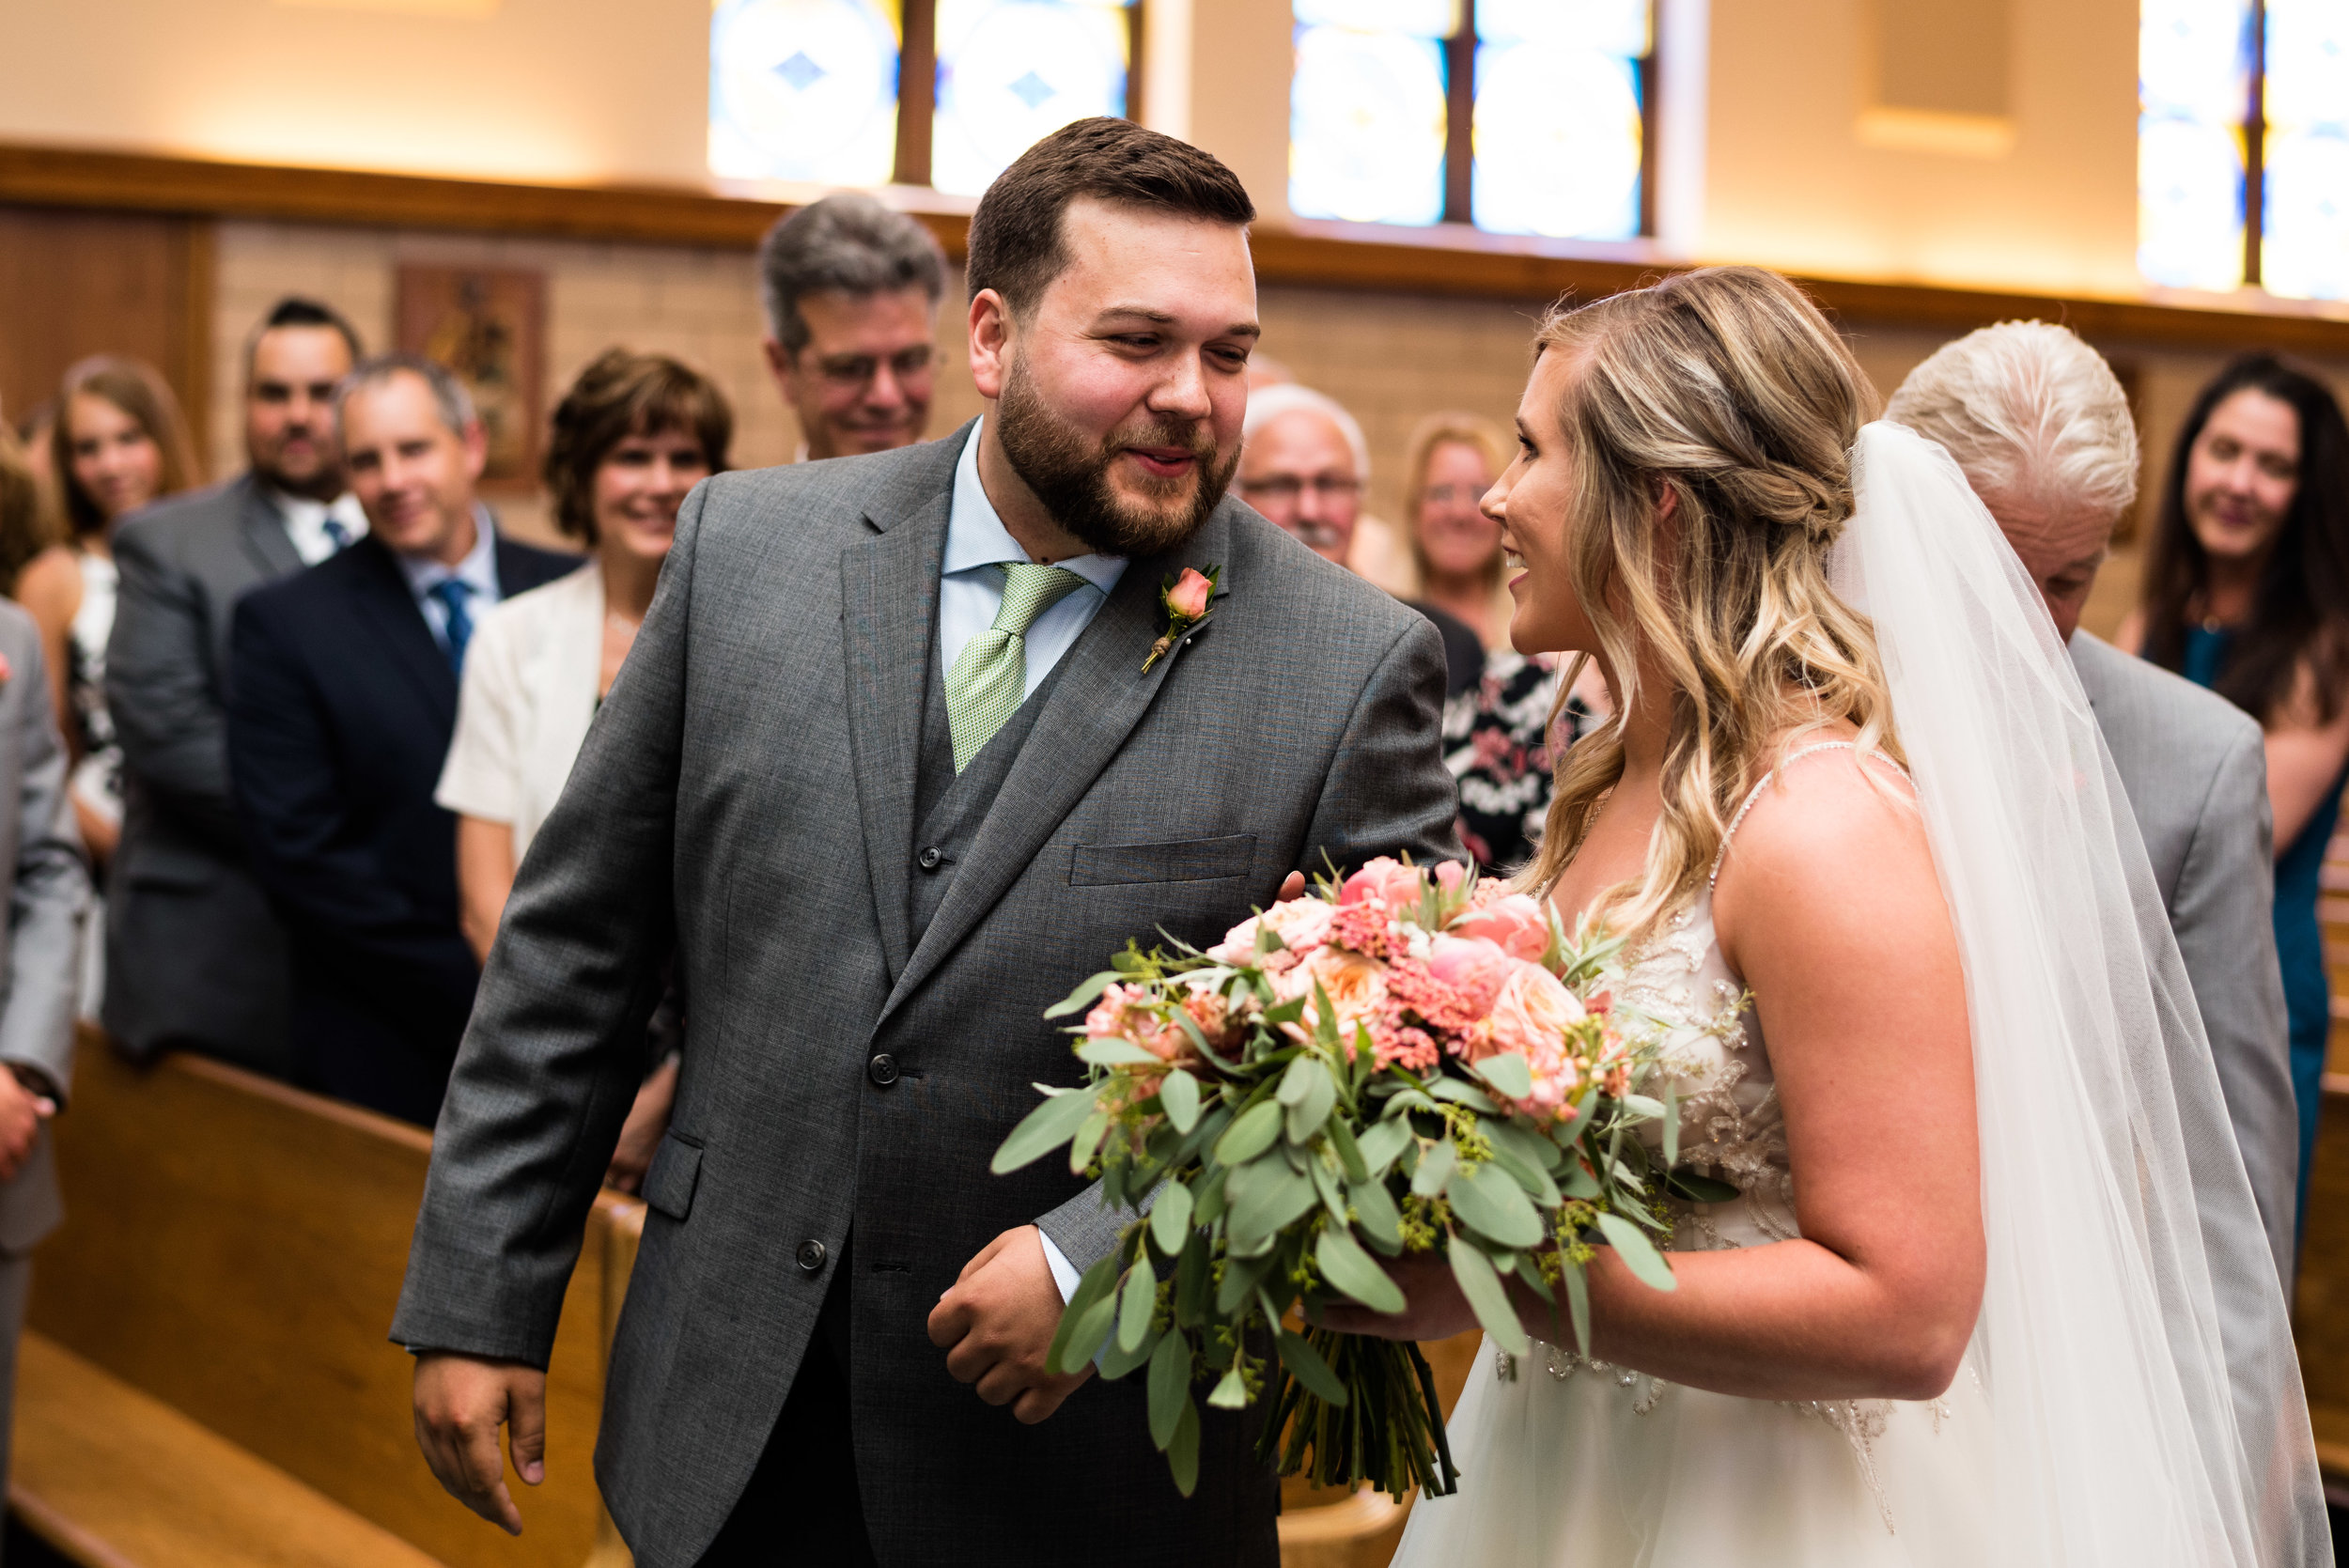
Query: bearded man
(892, 767)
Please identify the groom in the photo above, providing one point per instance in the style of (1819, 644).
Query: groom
(892, 767)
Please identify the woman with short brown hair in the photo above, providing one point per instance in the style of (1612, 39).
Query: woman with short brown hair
(635, 433)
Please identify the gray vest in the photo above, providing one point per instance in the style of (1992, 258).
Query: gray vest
(951, 807)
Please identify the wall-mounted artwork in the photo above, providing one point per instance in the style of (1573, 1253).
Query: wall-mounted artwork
(489, 326)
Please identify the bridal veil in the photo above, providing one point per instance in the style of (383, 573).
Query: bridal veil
(2133, 1338)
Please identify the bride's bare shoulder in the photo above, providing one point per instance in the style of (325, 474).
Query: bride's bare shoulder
(1833, 842)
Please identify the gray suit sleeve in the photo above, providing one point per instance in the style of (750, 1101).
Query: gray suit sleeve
(554, 1053)
(1386, 793)
(2221, 915)
(52, 891)
(174, 730)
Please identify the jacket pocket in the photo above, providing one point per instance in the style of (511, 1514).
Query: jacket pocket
(677, 1169)
(1195, 859)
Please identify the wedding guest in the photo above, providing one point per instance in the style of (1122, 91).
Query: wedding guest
(2043, 431)
(119, 443)
(342, 695)
(853, 290)
(635, 433)
(44, 885)
(198, 958)
(27, 529)
(2246, 592)
(1503, 742)
(1303, 464)
(1456, 549)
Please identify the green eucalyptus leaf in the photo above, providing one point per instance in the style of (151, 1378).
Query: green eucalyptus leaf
(1265, 1195)
(1240, 1278)
(1182, 1453)
(1170, 1386)
(1326, 1184)
(1178, 1096)
(1088, 1142)
(1170, 1218)
(1374, 1211)
(1531, 1272)
(1117, 1362)
(1091, 1332)
(1464, 1094)
(1250, 1136)
(1436, 1163)
(1579, 1306)
(1230, 1391)
(1135, 1304)
(1111, 1052)
(1672, 1124)
(1349, 1153)
(1523, 1141)
(1380, 1144)
(1306, 1116)
(1488, 1296)
(1044, 1129)
(1349, 1268)
(1509, 1154)
(1579, 1181)
(1295, 1082)
(1509, 1072)
(1082, 997)
(1638, 1254)
(1209, 1202)
(1489, 1200)
(1306, 1365)
(1410, 1099)
(1191, 1275)
(1642, 1107)
(1700, 1189)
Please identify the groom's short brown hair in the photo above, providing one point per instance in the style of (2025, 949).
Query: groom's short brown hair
(1015, 245)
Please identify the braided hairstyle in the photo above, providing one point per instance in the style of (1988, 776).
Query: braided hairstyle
(1726, 388)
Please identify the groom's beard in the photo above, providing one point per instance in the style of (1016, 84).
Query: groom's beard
(1071, 475)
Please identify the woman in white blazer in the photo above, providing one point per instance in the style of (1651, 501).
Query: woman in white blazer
(634, 434)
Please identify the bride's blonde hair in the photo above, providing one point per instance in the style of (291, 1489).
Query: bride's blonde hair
(1727, 389)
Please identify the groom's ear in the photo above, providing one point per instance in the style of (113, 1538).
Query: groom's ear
(990, 342)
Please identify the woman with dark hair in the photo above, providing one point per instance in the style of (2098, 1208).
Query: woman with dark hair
(2247, 593)
(119, 441)
(635, 433)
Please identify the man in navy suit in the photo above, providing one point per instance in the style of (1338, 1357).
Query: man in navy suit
(343, 699)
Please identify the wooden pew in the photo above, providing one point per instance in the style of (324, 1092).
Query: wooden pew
(206, 1379)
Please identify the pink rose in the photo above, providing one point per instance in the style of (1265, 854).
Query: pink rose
(1189, 597)
(1471, 965)
(1531, 1016)
(1515, 923)
(1448, 875)
(1302, 923)
(1387, 882)
(1356, 987)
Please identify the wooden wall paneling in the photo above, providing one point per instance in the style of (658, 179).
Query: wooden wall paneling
(1448, 261)
(77, 282)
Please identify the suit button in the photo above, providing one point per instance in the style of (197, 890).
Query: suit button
(883, 1070)
(932, 857)
(811, 1257)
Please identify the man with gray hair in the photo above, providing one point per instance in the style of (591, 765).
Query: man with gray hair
(853, 292)
(2041, 427)
(342, 699)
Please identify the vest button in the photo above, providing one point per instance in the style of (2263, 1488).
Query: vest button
(932, 857)
(811, 1257)
(883, 1070)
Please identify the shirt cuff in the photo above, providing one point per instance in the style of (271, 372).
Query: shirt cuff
(1064, 1273)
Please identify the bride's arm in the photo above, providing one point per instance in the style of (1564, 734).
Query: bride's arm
(1829, 908)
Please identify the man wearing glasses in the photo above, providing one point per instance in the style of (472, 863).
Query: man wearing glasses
(1302, 464)
(853, 292)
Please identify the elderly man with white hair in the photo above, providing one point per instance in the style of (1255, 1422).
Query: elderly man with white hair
(2042, 429)
(1303, 464)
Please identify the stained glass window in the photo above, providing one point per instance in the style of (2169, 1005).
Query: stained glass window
(1554, 125)
(2243, 145)
(810, 90)
(803, 90)
(1012, 71)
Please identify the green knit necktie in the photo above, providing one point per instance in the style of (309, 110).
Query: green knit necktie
(990, 675)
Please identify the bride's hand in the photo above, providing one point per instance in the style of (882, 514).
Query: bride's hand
(1433, 1307)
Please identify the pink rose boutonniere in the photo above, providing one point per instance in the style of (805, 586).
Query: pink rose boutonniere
(1188, 599)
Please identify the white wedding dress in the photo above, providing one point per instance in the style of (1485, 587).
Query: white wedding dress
(2097, 1421)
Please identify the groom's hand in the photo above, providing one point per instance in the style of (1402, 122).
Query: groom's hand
(997, 1322)
(461, 1401)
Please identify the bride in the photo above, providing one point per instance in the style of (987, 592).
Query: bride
(1922, 1006)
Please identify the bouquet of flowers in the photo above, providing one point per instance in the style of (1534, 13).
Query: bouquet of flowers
(1408, 1061)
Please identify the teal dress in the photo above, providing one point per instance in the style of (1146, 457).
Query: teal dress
(2299, 940)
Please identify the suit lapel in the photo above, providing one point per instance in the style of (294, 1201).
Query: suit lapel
(265, 538)
(383, 597)
(888, 613)
(1098, 698)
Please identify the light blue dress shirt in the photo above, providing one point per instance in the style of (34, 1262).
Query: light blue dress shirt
(971, 591)
(971, 587)
(477, 571)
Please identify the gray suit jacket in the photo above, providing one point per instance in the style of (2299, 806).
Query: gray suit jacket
(195, 956)
(748, 790)
(45, 884)
(2195, 771)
